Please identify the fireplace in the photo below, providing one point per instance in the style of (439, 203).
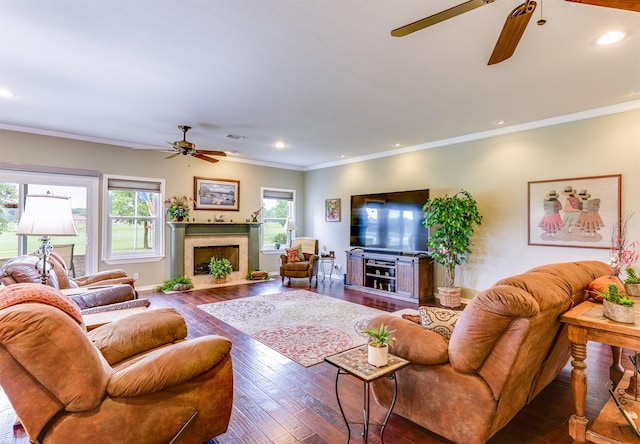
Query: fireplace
(186, 237)
(202, 256)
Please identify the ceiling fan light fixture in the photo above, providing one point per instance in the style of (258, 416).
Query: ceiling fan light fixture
(610, 37)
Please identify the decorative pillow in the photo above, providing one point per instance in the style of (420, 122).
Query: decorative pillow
(600, 286)
(292, 255)
(439, 320)
(300, 254)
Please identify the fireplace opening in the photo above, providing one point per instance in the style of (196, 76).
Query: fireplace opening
(202, 256)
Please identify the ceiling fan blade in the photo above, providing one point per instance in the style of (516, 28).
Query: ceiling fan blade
(628, 5)
(512, 31)
(439, 17)
(212, 153)
(172, 156)
(203, 157)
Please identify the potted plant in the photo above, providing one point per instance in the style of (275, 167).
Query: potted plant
(181, 283)
(220, 269)
(617, 306)
(632, 282)
(279, 239)
(451, 221)
(177, 208)
(378, 347)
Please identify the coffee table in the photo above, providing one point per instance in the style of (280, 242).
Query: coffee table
(354, 362)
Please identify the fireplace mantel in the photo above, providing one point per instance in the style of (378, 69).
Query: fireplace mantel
(181, 230)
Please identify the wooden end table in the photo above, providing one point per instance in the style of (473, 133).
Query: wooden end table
(354, 362)
(585, 322)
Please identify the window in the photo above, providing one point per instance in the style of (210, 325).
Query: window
(80, 185)
(133, 219)
(278, 205)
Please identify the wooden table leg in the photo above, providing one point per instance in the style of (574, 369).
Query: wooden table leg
(616, 370)
(578, 422)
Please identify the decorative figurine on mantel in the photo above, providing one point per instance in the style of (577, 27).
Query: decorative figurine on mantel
(220, 218)
(255, 215)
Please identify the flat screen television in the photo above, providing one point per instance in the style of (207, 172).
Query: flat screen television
(389, 222)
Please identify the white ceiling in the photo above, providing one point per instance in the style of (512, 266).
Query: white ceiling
(324, 76)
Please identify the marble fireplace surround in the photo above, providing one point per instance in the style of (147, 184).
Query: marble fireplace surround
(185, 236)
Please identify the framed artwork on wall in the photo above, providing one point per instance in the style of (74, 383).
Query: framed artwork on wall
(216, 194)
(332, 210)
(575, 212)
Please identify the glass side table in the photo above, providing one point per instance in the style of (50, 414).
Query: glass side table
(354, 362)
(326, 265)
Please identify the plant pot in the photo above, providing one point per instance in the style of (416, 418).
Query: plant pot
(221, 280)
(449, 296)
(632, 289)
(618, 313)
(378, 356)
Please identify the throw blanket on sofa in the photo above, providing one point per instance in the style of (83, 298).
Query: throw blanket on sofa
(22, 293)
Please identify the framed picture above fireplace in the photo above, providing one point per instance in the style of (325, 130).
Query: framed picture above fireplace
(216, 194)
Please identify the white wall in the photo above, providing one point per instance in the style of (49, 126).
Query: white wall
(496, 172)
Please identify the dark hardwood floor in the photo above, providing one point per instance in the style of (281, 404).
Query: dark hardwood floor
(279, 401)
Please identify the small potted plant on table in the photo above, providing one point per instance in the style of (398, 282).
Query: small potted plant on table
(617, 306)
(378, 349)
(632, 282)
(279, 239)
(220, 269)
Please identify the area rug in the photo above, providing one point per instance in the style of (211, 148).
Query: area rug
(302, 325)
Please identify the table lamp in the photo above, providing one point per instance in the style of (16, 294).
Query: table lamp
(291, 225)
(46, 215)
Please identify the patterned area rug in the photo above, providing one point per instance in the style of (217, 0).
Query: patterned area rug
(304, 326)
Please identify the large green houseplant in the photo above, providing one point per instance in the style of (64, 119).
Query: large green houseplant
(451, 221)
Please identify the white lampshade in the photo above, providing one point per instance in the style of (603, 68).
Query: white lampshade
(291, 225)
(46, 215)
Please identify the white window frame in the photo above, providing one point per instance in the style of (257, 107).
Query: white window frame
(64, 177)
(154, 255)
(270, 249)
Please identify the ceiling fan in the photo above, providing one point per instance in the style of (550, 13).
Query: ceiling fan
(187, 148)
(513, 27)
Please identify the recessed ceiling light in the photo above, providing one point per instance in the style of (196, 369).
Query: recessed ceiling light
(4, 92)
(610, 37)
(341, 156)
(279, 145)
(232, 153)
(396, 145)
(497, 122)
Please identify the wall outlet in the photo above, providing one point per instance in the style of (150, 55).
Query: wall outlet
(135, 275)
(338, 267)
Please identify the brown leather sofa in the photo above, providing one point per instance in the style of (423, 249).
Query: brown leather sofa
(102, 291)
(507, 345)
(306, 268)
(27, 269)
(136, 380)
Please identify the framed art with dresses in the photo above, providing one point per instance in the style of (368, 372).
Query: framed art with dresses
(574, 212)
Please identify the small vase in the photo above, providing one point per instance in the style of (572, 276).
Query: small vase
(618, 313)
(632, 289)
(378, 356)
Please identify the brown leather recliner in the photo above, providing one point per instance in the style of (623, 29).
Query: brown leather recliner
(507, 345)
(23, 269)
(135, 380)
(303, 269)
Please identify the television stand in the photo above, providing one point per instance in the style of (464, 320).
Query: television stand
(406, 277)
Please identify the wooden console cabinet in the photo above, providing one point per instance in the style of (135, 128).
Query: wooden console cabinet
(407, 277)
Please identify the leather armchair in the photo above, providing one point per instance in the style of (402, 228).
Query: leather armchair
(303, 269)
(134, 380)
